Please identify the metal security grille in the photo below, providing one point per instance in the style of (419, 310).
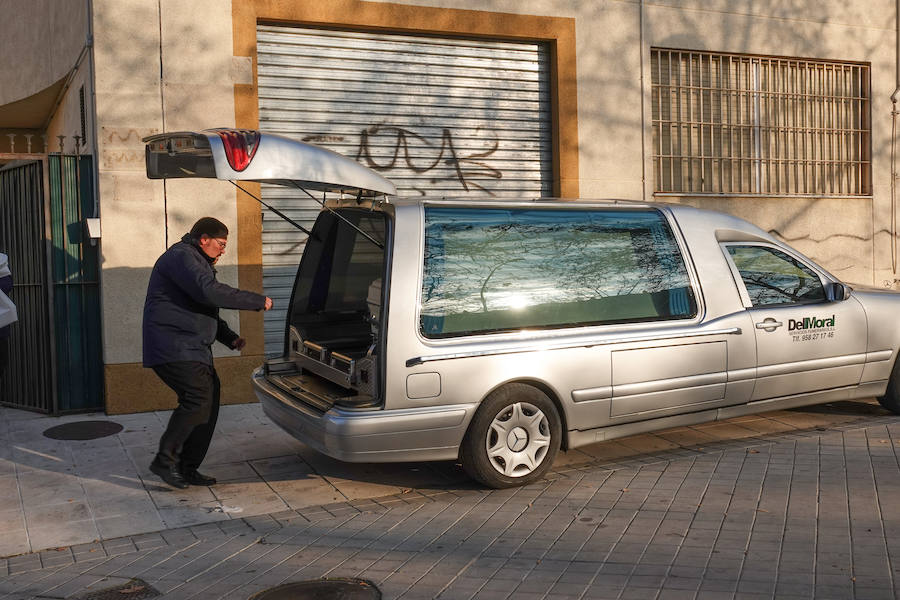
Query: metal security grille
(743, 125)
(438, 117)
(29, 379)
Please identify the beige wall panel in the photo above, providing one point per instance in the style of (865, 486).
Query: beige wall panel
(202, 106)
(197, 44)
(869, 13)
(126, 46)
(736, 32)
(884, 275)
(134, 237)
(41, 43)
(886, 271)
(882, 88)
(594, 186)
(125, 117)
(609, 100)
(131, 207)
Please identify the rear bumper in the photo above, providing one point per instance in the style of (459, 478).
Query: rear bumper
(406, 435)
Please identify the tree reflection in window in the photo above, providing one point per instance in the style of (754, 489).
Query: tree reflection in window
(772, 277)
(503, 269)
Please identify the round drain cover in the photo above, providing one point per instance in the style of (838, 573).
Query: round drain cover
(322, 589)
(83, 430)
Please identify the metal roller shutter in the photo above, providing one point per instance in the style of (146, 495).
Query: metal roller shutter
(438, 117)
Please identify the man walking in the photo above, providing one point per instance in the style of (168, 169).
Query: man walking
(181, 322)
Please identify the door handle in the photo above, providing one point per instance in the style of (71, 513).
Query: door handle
(769, 324)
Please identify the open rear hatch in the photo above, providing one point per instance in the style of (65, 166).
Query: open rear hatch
(334, 331)
(335, 324)
(248, 155)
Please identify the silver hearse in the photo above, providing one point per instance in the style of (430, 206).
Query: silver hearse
(498, 332)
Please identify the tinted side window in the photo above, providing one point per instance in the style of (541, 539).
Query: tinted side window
(506, 269)
(773, 277)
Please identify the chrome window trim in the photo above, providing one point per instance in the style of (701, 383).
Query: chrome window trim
(537, 347)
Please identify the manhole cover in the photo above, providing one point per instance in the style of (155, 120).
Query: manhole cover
(135, 589)
(322, 589)
(83, 430)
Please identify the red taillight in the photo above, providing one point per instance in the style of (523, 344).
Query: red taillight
(240, 146)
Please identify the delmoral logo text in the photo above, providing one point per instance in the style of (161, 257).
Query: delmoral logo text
(810, 323)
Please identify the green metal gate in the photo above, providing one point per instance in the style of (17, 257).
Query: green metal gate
(76, 286)
(56, 362)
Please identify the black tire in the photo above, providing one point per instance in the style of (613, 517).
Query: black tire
(531, 425)
(891, 398)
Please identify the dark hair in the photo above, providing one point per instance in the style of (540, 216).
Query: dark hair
(214, 228)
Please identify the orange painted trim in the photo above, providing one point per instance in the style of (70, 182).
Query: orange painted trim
(132, 388)
(557, 32)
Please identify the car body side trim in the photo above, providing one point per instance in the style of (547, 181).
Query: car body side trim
(537, 346)
(662, 385)
(879, 355)
(811, 365)
(597, 393)
(741, 374)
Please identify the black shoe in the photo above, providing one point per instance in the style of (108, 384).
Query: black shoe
(195, 477)
(170, 475)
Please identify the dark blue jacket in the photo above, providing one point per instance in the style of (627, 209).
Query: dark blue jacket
(181, 312)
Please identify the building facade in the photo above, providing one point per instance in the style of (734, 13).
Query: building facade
(778, 112)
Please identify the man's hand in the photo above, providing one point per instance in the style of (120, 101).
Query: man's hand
(268, 303)
(238, 344)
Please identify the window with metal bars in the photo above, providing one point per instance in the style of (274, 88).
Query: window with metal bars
(753, 125)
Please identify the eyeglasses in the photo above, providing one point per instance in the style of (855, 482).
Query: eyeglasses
(220, 243)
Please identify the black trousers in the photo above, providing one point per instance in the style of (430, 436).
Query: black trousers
(193, 422)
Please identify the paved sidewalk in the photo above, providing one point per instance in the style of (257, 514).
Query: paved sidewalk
(59, 493)
(806, 513)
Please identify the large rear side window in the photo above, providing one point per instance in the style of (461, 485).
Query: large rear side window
(491, 270)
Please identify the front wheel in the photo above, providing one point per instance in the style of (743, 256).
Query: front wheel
(513, 438)
(891, 398)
